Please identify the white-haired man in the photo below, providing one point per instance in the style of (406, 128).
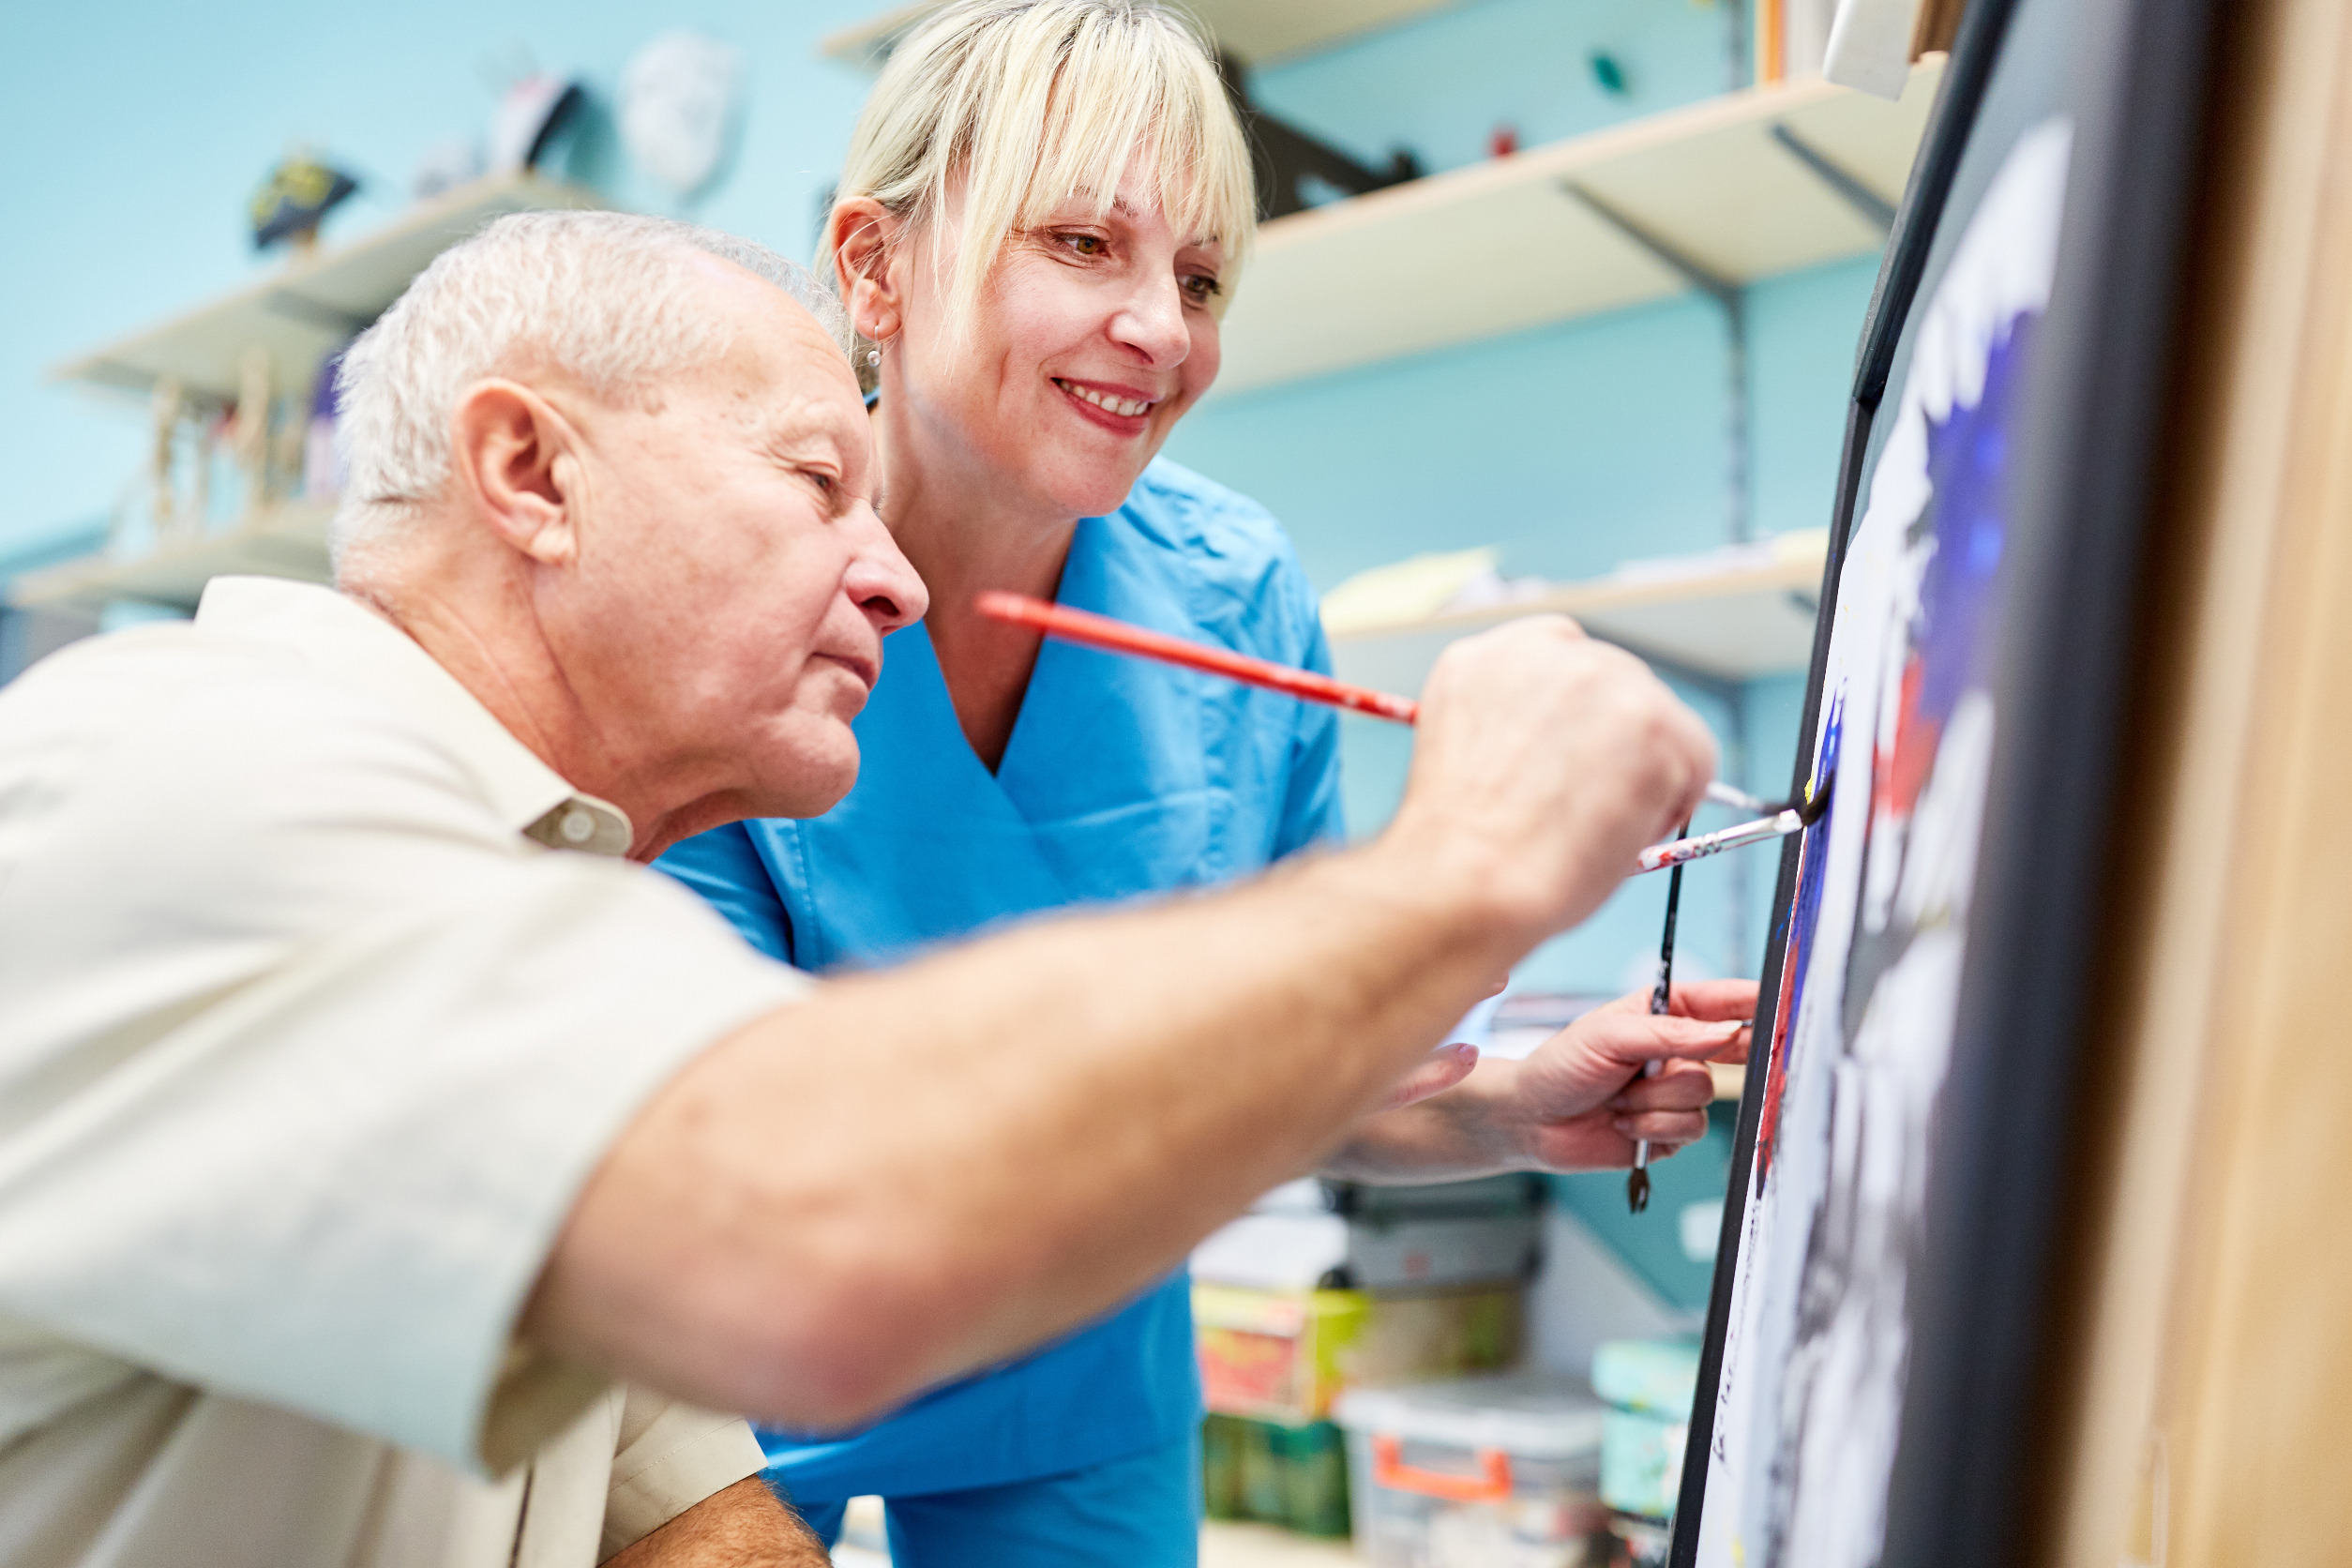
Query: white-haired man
(392, 1174)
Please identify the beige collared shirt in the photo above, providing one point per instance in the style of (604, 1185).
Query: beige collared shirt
(310, 1032)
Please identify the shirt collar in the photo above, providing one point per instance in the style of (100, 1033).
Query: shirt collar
(346, 639)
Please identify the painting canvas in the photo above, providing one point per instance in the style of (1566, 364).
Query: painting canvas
(1808, 1401)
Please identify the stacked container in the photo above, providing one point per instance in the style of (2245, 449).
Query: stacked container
(1477, 1473)
(1649, 1384)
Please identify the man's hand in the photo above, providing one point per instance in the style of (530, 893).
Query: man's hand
(1577, 1104)
(1542, 762)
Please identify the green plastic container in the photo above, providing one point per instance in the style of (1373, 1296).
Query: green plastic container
(1277, 1474)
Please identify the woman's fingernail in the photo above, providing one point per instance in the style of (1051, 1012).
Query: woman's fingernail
(1734, 1027)
(1463, 1050)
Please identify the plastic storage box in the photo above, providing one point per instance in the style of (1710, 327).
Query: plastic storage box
(1649, 1385)
(1478, 1472)
(1285, 1355)
(1279, 1475)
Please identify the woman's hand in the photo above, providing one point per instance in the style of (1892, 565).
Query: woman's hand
(1579, 1102)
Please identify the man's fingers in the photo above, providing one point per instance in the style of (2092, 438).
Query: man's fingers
(1439, 1071)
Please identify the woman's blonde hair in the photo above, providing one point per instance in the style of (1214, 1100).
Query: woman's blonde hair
(1031, 103)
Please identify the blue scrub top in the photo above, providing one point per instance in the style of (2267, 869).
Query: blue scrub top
(1121, 777)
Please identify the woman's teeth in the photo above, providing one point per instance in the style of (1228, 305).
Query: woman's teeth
(1117, 405)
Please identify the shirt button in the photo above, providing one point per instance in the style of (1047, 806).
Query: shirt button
(577, 827)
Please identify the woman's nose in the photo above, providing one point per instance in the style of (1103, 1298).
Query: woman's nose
(1152, 321)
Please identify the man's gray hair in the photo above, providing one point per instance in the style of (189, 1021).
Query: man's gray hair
(603, 297)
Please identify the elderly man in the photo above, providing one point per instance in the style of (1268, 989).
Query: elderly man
(391, 1173)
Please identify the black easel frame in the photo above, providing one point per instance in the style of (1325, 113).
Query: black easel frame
(2073, 593)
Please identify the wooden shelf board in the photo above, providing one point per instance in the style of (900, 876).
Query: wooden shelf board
(1260, 31)
(1501, 247)
(1737, 625)
(289, 541)
(304, 309)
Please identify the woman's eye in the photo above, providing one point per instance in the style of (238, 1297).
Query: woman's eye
(1086, 244)
(1202, 288)
(822, 480)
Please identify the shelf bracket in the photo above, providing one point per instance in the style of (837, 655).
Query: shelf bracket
(1694, 272)
(1731, 295)
(1875, 209)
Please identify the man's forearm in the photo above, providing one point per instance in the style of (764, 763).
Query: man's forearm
(918, 1172)
(924, 1171)
(742, 1526)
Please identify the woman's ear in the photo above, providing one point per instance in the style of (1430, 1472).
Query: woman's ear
(512, 459)
(861, 235)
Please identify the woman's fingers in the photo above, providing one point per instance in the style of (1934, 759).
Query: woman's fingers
(1679, 1086)
(1634, 1039)
(1714, 999)
(1440, 1071)
(1674, 1127)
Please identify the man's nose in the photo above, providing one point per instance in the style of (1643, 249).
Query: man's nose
(881, 581)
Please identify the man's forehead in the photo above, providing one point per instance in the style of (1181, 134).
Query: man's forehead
(780, 354)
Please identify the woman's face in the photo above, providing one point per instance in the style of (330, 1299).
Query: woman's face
(1092, 339)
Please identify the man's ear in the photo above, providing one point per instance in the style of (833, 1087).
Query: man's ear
(861, 236)
(513, 457)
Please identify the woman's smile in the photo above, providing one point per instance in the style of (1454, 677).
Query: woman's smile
(1123, 409)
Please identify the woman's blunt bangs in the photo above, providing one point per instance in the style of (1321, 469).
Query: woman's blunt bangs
(1036, 103)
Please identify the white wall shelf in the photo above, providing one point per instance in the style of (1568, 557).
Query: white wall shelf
(1739, 624)
(306, 308)
(1260, 31)
(1504, 246)
(288, 541)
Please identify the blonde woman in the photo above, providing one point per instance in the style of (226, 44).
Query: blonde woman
(1045, 206)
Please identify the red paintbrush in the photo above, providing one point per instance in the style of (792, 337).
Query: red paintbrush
(1118, 636)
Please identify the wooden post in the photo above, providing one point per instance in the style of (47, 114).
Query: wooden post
(164, 407)
(2205, 1366)
(252, 431)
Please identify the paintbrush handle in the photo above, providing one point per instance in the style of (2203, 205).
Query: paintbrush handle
(1681, 852)
(1118, 636)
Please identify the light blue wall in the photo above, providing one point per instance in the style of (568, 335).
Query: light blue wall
(131, 137)
(1441, 84)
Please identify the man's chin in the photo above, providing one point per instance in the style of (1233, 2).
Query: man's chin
(813, 785)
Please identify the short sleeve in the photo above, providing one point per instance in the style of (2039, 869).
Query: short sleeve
(723, 868)
(306, 1058)
(670, 1457)
(1311, 800)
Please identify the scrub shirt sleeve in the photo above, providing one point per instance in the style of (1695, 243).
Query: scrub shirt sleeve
(724, 866)
(1310, 806)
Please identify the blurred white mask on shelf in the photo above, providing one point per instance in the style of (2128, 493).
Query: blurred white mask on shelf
(678, 102)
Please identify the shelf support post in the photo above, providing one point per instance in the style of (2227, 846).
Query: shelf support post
(1730, 296)
(1875, 209)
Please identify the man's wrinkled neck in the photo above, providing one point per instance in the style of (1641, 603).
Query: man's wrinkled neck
(477, 620)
